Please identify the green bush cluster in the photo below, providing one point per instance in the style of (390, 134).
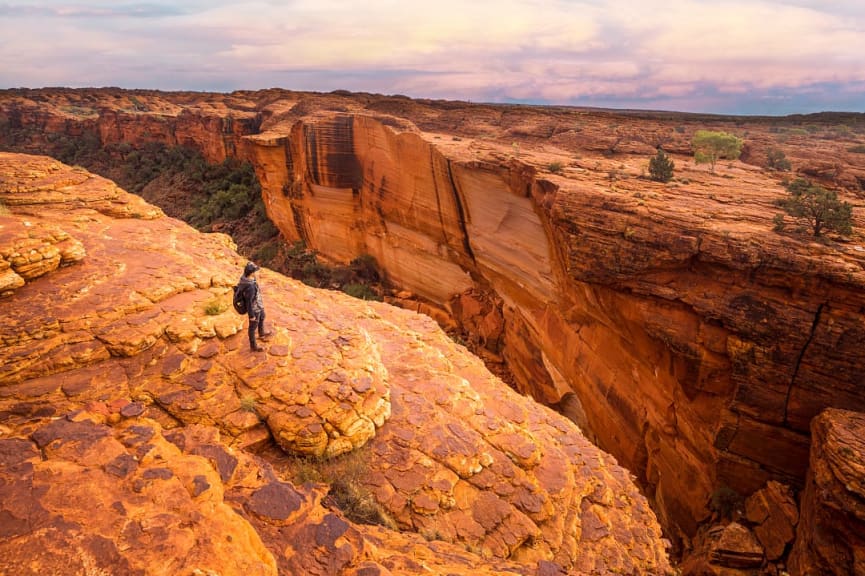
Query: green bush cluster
(710, 146)
(361, 278)
(230, 192)
(816, 208)
(777, 160)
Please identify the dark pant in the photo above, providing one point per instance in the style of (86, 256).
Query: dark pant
(256, 321)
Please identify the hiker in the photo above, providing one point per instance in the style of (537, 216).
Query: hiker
(255, 307)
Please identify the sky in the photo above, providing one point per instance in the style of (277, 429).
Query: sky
(718, 56)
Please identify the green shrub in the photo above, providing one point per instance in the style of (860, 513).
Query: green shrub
(661, 167)
(215, 307)
(315, 274)
(857, 149)
(267, 253)
(365, 267)
(230, 192)
(709, 146)
(361, 291)
(778, 223)
(248, 404)
(555, 167)
(817, 208)
(345, 476)
(777, 160)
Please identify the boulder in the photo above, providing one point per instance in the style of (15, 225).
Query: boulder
(736, 547)
(774, 514)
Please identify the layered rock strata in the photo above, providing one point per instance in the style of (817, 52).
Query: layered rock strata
(670, 321)
(691, 340)
(831, 535)
(130, 405)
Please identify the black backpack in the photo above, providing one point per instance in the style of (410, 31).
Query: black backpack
(239, 302)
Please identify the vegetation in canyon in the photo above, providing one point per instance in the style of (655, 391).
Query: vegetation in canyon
(223, 197)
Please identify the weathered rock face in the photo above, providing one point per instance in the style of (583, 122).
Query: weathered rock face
(129, 403)
(774, 513)
(683, 334)
(831, 535)
(697, 343)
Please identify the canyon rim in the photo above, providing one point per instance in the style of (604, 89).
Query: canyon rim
(671, 322)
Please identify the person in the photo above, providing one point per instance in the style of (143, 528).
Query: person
(254, 305)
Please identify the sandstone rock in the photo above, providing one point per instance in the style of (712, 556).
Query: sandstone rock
(831, 535)
(668, 310)
(774, 512)
(736, 547)
(97, 502)
(9, 279)
(126, 423)
(30, 250)
(662, 307)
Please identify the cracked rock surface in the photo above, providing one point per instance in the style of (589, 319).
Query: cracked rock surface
(132, 413)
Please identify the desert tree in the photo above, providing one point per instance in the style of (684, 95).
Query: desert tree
(661, 167)
(818, 208)
(709, 146)
(777, 160)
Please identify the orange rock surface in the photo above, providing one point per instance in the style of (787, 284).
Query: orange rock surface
(682, 333)
(131, 411)
(831, 535)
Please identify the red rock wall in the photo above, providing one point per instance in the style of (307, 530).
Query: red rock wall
(441, 227)
(695, 357)
(696, 346)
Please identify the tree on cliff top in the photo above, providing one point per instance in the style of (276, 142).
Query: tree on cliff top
(818, 208)
(661, 167)
(709, 146)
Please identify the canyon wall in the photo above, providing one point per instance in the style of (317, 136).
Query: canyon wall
(695, 346)
(140, 435)
(679, 331)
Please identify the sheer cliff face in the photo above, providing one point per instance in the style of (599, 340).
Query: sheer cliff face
(682, 334)
(670, 322)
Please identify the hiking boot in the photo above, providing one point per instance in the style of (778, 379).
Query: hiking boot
(265, 336)
(258, 349)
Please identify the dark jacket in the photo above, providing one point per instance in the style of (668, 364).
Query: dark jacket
(252, 295)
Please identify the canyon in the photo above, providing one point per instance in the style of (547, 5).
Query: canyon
(670, 322)
(140, 435)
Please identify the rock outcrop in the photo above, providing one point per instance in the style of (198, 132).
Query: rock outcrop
(696, 343)
(831, 535)
(774, 514)
(682, 333)
(131, 412)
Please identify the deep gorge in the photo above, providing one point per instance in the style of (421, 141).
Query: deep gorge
(694, 346)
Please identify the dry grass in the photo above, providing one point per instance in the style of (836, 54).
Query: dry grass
(344, 476)
(215, 307)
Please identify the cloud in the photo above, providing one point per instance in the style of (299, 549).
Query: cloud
(723, 53)
(93, 10)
